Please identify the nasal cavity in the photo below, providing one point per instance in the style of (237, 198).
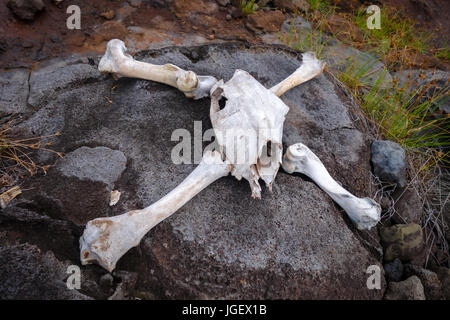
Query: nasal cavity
(222, 102)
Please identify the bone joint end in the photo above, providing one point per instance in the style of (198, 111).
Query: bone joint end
(364, 212)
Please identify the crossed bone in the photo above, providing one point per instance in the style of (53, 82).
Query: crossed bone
(248, 129)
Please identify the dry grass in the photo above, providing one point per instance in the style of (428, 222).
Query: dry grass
(16, 155)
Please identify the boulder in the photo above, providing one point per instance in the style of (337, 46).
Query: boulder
(294, 243)
(429, 279)
(403, 241)
(409, 289)
(388, 161)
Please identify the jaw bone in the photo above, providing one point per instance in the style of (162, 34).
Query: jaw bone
(364, 212)
(106, 240)
(116, 61)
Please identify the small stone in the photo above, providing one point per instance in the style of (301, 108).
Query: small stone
(388, 160)
(108, 15)
(429, 280)
(394, 270)
(223, 3)
(26, 9)
(410, 289)
(228, 17)
(403, 241)
(211, 37)
(107, 280)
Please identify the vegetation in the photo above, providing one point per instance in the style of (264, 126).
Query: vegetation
(411, 119)
(248, 7)
(15, 153)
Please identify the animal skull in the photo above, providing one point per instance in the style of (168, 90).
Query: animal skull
(248, 129)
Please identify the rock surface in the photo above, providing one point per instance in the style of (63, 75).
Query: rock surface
(403, 241)
(13, 92)
(294, 243)
(388, 161)
(444, 277)
(429, 279)
(394, 270)
(409, 289)
(26, 9)
(408, 207)
(27, 273)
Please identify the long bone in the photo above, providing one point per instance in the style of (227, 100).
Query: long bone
(106, 240)
(117, 61)
(364, 212)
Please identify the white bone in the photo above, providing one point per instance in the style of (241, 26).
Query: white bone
(252, 112)
(311, 67)
(252, 118)
(364, 212)
(249, 129)
(116, 61)
(106, 240)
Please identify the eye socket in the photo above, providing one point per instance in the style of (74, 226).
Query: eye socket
(222, 102)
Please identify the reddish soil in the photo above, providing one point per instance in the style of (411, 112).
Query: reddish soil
(23, 44)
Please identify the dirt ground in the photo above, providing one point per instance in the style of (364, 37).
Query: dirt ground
(23, 44)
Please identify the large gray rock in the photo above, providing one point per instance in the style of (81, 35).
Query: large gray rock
(13, 92)
(294, 243)
(409, 289)
(388, 160)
